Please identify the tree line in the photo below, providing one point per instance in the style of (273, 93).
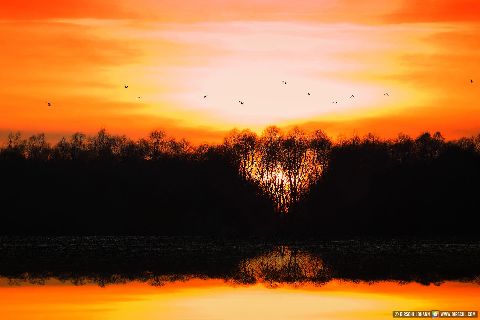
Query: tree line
(280, 182)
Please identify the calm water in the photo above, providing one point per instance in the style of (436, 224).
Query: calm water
(181, 278)
(215, 299)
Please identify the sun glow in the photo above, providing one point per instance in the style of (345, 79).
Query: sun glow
(283, 165)
(173, 54)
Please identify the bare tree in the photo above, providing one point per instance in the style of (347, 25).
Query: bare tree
(37, 147)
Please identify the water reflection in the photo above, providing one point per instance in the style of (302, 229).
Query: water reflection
(184, 278)
(159, 261)
(215, 299)
(284, 265)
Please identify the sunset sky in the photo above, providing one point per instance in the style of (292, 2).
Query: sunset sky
(80, 54)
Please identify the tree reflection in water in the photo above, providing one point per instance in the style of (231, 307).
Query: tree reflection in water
(284, 265)
(160, 260)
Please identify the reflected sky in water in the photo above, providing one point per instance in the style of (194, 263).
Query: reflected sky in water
(183, 279)
(217, 299)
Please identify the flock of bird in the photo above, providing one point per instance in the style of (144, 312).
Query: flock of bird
(308, 93)
(49, 103)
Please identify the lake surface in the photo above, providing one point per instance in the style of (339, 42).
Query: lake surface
(199, 278)
(215, 299)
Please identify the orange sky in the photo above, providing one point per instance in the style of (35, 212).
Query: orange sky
(80, 54)
(213, 299)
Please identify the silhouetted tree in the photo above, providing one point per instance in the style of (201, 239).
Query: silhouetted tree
(243, 147)
(429, 147)
(156, 145)
(37, 148)
(16, 147)
(321, 144)
(160, 185)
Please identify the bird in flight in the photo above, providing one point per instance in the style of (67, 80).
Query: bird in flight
(471, 80)
(126, 87)
(204, 97)
(241, 102)
(49, 103)
(308, 93)
(386, 94)
(139, 97)
(284, 82)
(334, 101)
(352, 96)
